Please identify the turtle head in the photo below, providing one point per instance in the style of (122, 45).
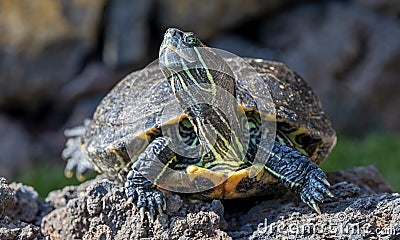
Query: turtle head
(186, 61)
(202, 83)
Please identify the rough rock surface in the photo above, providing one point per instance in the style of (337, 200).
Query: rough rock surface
(22, 210)
(364, 207)
(102, 211)
(6, 196)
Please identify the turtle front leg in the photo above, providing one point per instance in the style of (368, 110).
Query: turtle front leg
(141, 190)
(299, 174)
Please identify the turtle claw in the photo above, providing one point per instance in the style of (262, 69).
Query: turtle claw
(142, 212)
(315, 189)
(324, 181)
(316, 208)
(330, 194)
(146, 199)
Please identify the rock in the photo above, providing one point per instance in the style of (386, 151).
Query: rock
(365, 217)
(15, 147)
(368, 179)
(349, 55)
(42, 46)
(19, 230)
(22, 213)
(95, 78)
(391, 7)
(209, 17)
(363, 208)
(126, 32)
(241, 46)
(6, 196)
(25, 206)
(102, 210)
(98, 208)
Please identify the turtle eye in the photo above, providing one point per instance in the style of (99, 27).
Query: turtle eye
(190, 40)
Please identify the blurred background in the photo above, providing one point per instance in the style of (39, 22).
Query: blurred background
(58, 58)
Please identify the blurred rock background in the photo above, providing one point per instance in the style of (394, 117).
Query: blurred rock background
(58, 58)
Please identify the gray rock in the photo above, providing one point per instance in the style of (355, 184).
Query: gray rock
(42, 47)
(350, 56)
(391, 7)
(25, 205)
(363, 208)
(241, 46)
(126, 32)
(102, 210)
(98, 208)
(6, 196)
(209, 17)
(95, 78)
(19, 230)
(20, 206)
(15, 147)
(364, 217)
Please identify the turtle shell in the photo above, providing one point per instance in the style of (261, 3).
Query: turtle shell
(132, 113)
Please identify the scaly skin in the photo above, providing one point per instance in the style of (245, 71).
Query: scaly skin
(290, 167)
(298, 173)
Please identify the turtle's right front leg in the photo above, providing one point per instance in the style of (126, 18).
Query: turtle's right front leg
(150, 163)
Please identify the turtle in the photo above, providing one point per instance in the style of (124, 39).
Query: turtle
(132, 133)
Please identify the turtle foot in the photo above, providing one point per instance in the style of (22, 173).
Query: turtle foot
(139, 191)
(72, 153)
(315, 189)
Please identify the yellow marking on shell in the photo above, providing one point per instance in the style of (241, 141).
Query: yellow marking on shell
(194, 171)
(227, 187)
(112, 150)
(232, 182)
(95, 166)
(230, 186)
(292, 137)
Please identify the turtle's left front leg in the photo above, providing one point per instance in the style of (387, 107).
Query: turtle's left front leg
(140, 185)
(299, 174)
